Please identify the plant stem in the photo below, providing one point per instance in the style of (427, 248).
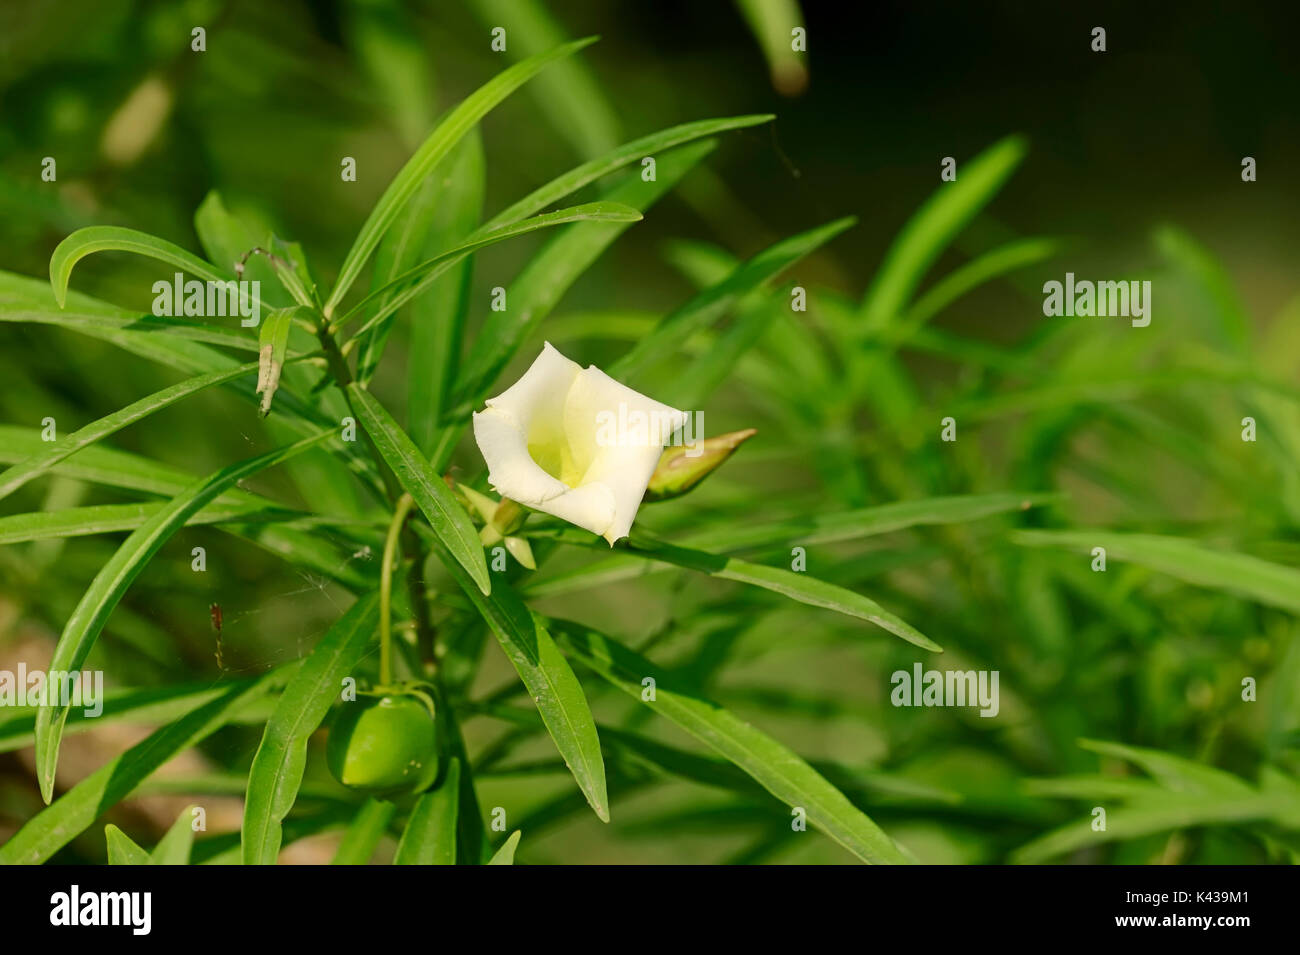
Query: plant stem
(342, 374)
(386, 589)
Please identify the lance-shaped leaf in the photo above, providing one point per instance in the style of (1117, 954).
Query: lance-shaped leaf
(549, 274)
(506, 854)
(681, 467)
(226, 238)
(416, 279)
(778, 769)
(1184, 559)
(795, 585)
(362, 836)
(933, 227)
(549, 679)
(104, 238)
(51, 454)
(175, 845)
(122, 326)
(713, 302)
(76, 810)
(443, 212)
(110, 518)
(122, 849)
(289, 262)
(430, 834)
(447, 518)
(278, 765)
(153, 705)
(440, 142)
(567, 94)
(773, 23)
(805, 530)
(273, 340)
(630, 152)
(178, 353)
(112, 581)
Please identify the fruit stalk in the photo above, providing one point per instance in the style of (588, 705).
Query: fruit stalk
(386, 589)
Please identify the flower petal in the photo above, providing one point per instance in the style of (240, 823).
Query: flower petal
(615, 437)
(513, 473)
(574, 443)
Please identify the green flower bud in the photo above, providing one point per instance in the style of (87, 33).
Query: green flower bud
(681, 467)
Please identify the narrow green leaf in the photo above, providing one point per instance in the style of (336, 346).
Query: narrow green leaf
(392, 54)
(506, 854)
(707, 306)
(1174, 772)
(362, 836)
(714, 365)
(430, 834)
(112, 468)
(631, 152)
(187, 356)
(549, 274)
(795, 585)
(447, 518)
(439, 217)
(1187, 560)
(812, 529)
(227, 238)
(76, 810)
(438, 317)
(440, 142)
(224, 849)
(1213, 282)
(549, 680)
(773, 22)
(115, 577)
(281, 757)
(835, 527)
(414, 281)
(567, 94)
(1007, 258)
(933, 227)
(153, 705)
(124, 326)
(175, 845)
(1172, 811)
(111, 518)
(289, 263)
(18, 475)
(273, 340)
(778, 769)
(105, 238)
(122, 849)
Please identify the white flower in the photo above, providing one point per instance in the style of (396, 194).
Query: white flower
(574, 443)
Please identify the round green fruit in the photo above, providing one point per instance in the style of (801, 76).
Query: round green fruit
(384, 743)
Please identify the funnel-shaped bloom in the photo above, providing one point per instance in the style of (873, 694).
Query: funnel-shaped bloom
(574, 443)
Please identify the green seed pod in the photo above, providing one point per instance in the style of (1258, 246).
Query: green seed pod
(384, 743)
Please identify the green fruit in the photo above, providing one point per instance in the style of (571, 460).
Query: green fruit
(384, 743)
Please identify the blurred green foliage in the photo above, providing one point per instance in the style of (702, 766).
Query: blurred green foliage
(1121, 689)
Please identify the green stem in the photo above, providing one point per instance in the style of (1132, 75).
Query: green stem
(342, 375)
(386, 589)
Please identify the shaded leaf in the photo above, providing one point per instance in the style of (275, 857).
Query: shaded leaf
(447, 518)
(281, 757)
(778, 769)
(430, 834)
